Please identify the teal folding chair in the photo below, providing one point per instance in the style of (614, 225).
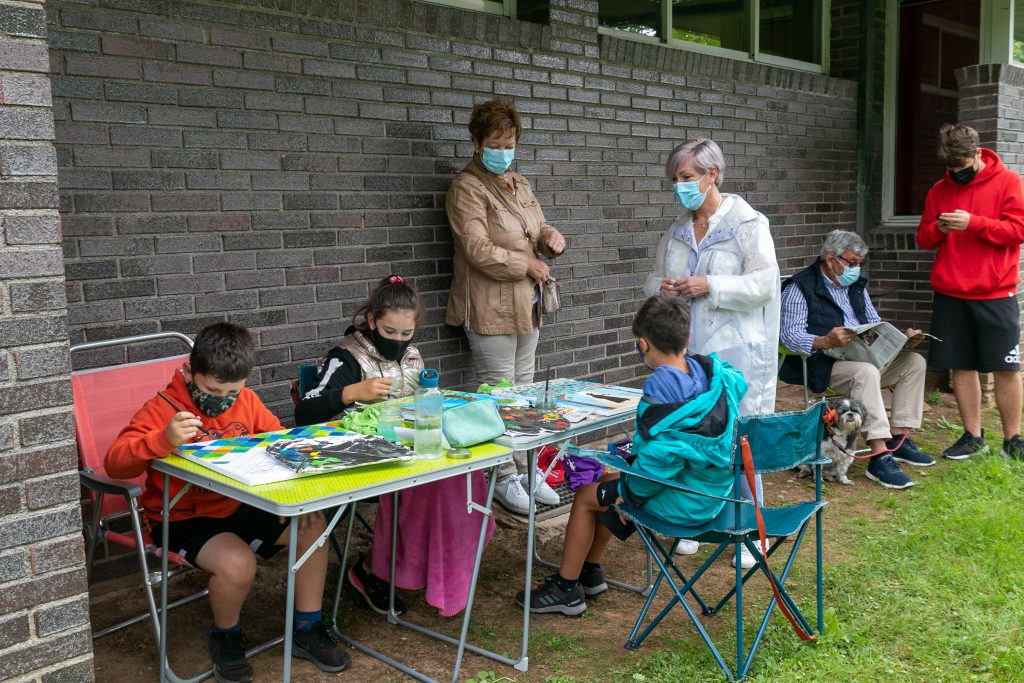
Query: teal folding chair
(775, 442)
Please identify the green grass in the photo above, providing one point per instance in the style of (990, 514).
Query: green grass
(932, 592)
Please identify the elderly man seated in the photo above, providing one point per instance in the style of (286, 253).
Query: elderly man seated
(819, 304)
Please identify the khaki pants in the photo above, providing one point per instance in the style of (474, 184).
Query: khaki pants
(863, 382)
(505, 356)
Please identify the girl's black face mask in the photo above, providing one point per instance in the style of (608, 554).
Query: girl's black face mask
(390, 349)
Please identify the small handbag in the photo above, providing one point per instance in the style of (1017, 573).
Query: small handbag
(549, 296)
(472, 423)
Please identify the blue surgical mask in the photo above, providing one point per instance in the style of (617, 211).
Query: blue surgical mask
(849, 275)
(689, 195)
(497, 160)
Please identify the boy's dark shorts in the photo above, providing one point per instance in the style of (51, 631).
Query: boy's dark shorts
(257, 528)
(976, 334)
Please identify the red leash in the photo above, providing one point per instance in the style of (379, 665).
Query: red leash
(748, 468)
(869, 455)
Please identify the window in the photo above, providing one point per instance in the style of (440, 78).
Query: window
(786, 32)
(1018, 31)
(493, 6)
(537, 11)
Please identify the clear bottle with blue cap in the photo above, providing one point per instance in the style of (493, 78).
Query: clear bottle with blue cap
(429, 403)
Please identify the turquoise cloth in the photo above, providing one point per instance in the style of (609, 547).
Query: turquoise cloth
(688, 443)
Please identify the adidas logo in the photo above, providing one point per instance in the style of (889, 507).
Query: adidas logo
(1013, 356)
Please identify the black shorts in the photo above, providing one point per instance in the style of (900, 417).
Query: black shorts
(257, 528)
(976, 334)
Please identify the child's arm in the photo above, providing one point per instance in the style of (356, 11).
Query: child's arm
(339, 385)
(153, 433)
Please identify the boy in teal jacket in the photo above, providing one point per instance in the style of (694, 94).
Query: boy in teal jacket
(684, 433)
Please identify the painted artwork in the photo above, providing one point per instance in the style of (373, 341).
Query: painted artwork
(290, 453)
(598, 399)
(531, 421)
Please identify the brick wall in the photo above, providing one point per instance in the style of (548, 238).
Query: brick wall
(44, 617)
(266, 166)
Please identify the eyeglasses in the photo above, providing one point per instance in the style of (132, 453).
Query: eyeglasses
(848, 263)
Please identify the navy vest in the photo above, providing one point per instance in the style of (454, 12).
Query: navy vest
(823, 314)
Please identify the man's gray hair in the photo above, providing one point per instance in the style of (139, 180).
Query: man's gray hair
(838, 242)
(703, 153)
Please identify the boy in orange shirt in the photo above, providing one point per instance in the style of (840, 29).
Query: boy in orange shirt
(213, 532)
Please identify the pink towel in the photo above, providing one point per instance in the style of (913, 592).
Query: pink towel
(436, 540)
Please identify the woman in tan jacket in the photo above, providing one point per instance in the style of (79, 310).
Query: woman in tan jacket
(499, 233)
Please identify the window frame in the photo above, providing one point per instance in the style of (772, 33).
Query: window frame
(506, 8)
(753, 55)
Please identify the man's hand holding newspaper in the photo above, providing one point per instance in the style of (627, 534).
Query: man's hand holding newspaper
(875, 343)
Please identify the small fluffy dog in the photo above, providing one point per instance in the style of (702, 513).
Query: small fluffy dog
(840, 440)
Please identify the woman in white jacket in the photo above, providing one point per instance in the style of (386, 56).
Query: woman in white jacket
(719, 253)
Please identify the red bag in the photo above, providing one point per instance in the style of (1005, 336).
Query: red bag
(544, 458)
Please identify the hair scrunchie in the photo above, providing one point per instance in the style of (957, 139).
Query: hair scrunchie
(396, 280)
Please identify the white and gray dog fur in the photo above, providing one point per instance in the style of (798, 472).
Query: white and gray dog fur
(840, 441)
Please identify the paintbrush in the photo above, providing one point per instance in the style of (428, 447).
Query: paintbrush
(179, 410)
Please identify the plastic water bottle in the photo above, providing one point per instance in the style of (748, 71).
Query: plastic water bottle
(428, 416)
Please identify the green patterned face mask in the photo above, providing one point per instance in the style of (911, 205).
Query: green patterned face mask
(208, 403)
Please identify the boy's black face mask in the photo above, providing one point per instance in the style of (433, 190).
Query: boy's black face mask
(390, 349)
(964, 175)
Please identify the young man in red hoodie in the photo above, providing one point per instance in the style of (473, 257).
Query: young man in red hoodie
(974, 217)
(215, 533)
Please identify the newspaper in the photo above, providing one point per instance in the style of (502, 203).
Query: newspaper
(876, 343)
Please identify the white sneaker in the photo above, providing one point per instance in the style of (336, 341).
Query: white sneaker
(747, 560)
(510, 493)
(545, 495)
(686, 547)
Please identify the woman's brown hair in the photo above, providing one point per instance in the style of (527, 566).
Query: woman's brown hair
(494, 116)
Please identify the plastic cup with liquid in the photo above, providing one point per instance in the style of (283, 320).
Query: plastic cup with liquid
(390, 417)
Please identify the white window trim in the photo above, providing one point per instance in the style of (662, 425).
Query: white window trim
(996, 16)
(505, 8)
(754, 55)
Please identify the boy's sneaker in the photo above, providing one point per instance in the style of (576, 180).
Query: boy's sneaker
(1013, 448)
(509, 492)
(908, 452)
(318, 646)
(548, 598)
(966, 446)
(545, 495)
(884, 470)
(370, 591)
(227, 650)
(685, 546)
(592, 580)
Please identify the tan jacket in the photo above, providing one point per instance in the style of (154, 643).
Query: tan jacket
(491, 292)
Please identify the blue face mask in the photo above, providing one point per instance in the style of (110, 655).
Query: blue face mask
(497, 160)
(688, 194)
(849, 275)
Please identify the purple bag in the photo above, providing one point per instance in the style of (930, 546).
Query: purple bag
(580, 470)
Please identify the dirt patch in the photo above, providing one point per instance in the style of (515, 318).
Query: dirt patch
(559, 646)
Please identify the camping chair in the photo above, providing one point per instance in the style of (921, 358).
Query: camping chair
(105, 399)
(771, 443)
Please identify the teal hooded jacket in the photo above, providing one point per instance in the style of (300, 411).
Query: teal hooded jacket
(688, 443)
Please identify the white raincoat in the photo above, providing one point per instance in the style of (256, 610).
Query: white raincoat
(739, 317)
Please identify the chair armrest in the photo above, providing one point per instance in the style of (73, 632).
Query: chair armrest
(103, 484)
(619, 463)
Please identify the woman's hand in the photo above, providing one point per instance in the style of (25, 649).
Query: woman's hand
(367, 390)
(693, 287)
(669, 286)
(538, 270)
(554, 241)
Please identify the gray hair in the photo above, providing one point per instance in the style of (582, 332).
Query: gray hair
(839, 242)
(703, 153)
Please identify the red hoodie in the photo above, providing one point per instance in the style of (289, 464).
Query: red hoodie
(983, 261)
(143, 440)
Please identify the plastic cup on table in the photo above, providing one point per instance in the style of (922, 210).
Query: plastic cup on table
(389, 418)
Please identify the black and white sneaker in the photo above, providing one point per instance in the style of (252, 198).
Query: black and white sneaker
(592, 580)
(1012, 448)
(966, 446)
(549, 598)
(884, 470)
(227, 650)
